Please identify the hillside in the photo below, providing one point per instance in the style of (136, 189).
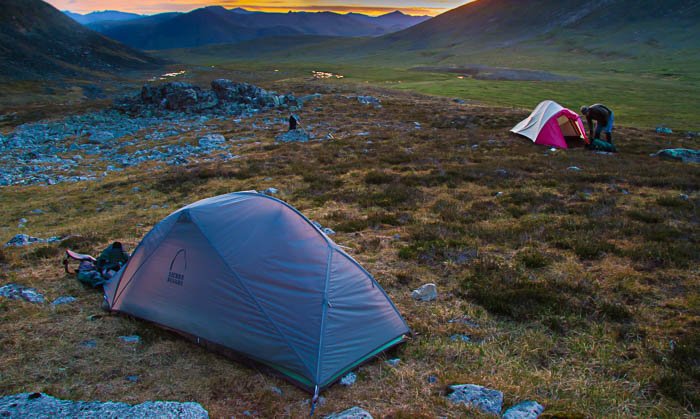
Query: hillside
(39, 42)
(503, 23)
(217, 25)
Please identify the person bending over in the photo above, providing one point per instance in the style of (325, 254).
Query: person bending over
(604, 119)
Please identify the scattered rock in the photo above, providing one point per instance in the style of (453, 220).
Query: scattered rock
(349, 379)
(394, 362)
(293, 136)
(352, 413)
(464, 320)
(21, 240)
(524, 410)
(130, 339)
(90, 343)
(427, 292)
(482, 398)
(63, 300)
(211, 140)
(460, 338)
(370, 100)
(40, 405)
(20, 292)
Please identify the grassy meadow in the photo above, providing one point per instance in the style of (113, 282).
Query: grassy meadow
(578, 288)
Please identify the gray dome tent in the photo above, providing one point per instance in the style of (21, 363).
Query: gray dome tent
(250, 273)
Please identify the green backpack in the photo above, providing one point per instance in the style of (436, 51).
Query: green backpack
(111, 259)
(600, 145)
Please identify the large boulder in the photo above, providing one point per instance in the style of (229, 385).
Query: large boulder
(40, 405)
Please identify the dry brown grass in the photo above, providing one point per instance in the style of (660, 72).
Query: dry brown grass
(578, 288)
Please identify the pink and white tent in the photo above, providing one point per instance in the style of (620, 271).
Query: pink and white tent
(553, 125)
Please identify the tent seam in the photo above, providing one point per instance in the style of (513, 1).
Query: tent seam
(255, 300)
(118, 293)
(323, 314)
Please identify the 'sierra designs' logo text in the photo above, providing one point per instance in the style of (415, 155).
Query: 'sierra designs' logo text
(178, 266)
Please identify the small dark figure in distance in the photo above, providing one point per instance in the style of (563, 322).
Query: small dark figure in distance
(604, 120)
(292, 122)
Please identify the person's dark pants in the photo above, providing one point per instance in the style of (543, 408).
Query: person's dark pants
(607, 129)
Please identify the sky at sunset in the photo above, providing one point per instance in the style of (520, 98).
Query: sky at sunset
(414, 7)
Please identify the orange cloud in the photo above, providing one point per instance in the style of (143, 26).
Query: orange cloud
(413, 7)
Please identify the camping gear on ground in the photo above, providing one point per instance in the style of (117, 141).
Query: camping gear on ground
(249, 274)
(95, 272)
(685, 155)
(553, 125)
(600, 145)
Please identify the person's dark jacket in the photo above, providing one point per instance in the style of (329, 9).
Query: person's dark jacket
(599, 113)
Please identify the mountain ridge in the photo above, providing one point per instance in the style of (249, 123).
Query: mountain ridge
(37, 42)
(218, 25)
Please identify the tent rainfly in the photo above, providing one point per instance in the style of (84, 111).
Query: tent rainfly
(249, 273)
(553, 125)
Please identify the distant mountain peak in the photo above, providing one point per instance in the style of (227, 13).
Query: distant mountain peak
(394, 13)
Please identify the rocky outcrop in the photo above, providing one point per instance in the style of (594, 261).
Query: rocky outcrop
(226, 97)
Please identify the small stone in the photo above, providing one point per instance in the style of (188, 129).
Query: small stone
(427, 292)
(684, 197)
(90, 343)
(574, 168)
(497, 194)
(394, 362)
(482, 398)
(130, 339)
(349, 379)
(524, 410)
(63, 300)
(460, 338)
(352, 413)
